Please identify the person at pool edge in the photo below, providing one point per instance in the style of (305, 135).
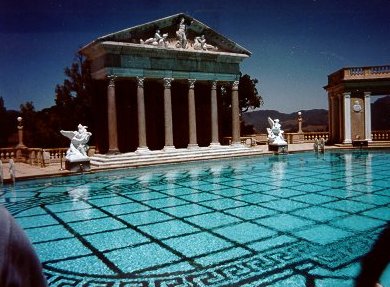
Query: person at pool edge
(19, 264)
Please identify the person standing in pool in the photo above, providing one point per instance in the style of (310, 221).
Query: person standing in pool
(19, 264)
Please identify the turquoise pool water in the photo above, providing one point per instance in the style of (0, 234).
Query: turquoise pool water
(293, 220)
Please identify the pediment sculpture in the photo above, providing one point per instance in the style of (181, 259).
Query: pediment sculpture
(181, 41)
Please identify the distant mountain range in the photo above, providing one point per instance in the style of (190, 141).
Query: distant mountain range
(312, 120)
(316, 120)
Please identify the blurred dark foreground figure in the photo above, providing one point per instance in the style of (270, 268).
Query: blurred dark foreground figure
(375, 261)
(19, 264)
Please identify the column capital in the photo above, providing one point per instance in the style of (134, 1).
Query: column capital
(191, 83)
(367, 94)
(214, 85)
(112, 79)
(140, 82)
(235, 85)
(167, 82)
(347, 94)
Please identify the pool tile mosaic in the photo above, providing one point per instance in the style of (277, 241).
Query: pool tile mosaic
(296, 220)
(323, 234)
(198, 244)
(285, 222)
(168, 229)
(145, 217)
(319, 213)
(96, 225)
(212, 220)
(116, 239)
(244, 232)
(134, 259)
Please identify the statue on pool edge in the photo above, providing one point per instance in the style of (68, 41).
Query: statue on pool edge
(77, 152)
(276, 142)
(275, 133)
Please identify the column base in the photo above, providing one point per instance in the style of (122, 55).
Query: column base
(142, 150)
(237, 144)
(169, 148)
(192, 146)
(347, 141)
(113, 151)
(214, 145)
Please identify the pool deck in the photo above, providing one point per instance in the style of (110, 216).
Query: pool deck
(27, 171)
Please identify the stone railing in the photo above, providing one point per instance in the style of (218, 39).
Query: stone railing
(380, 135)
(374, 72)
(310, 137)
(7, 153)
(37, 156)
(33, 156)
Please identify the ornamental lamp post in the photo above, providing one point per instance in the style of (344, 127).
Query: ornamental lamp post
(300, 122)
(20, 133)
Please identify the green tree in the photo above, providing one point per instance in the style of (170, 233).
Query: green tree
(30, 125)
(73, 97)
(7, 124)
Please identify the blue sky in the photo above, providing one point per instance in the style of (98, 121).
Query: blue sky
(295, 44)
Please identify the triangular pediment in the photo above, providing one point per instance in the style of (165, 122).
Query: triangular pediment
(199, 36)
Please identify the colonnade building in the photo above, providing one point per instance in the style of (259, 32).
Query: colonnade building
(158, 85)
(349, 96)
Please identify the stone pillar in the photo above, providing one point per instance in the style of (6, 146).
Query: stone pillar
(214, 115)
(367, 116)
(112, 117)
(347, 118)
(142, 146)
(20, 133)
(299, 119)
(235, 115)
(193, 143)
(330, 117)
(168, 115)
(340, 121)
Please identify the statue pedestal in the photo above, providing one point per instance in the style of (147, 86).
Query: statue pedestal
(278, 148)
(78, 166)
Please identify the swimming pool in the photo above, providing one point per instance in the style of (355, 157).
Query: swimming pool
(293, 220)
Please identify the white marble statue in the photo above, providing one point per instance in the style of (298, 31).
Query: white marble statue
(200, 44)
(157, 40)
(275, 133)
(181, 34)
(78, 143)
(11, 169)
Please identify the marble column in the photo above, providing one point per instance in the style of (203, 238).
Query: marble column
(235, 115)
(193, 143)
(214, 116)
(340, 121)
(367, 116)
(112, 117)
(168, 114)
(347, 118)
(332, 118)
(142, 146)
